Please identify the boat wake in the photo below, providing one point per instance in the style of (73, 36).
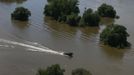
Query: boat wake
(38, 48)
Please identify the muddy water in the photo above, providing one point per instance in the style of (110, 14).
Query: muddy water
(27, 46)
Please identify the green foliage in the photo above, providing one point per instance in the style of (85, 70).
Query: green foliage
(73, 19)
(68, 10)
(21, 14)
(52, 70)
(115, 36)
(59, 9)
(90, 18)
(106, 11)
(80, 71)
(12, 1)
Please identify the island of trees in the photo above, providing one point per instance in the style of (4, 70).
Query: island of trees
(115, 36)
(21, 14)
(57, 70)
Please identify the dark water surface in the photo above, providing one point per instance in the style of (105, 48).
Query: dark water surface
(21, 43)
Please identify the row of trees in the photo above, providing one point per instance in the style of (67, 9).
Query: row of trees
(57, 70)
(68, 12)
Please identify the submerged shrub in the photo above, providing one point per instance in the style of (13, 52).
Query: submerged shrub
(21, 14)
(80, 71)
(115, 36)
(52, 70)
(73, 19)
(61, 8)
(90, 18)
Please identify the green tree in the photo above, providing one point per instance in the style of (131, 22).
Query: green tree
(21, 14)
(90, 18)
(59, 9)
(107, 11)
(73, 19)
(115, 36)
(52, 70)
(80, 71)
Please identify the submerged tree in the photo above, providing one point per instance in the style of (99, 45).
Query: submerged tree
(60, 9)
(115, 36)
(73, 19)
(52, 70)
(21, 14)
(80, 71)
(107, 11)
(90, 18)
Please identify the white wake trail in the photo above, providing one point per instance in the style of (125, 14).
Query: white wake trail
(31, 47)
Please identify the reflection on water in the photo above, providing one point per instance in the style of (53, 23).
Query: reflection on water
(81, 32)
(107, 21)
(60, 30)
(20, 24)
(12, 1)
(89, 31)
(60, 27)
(113, 53)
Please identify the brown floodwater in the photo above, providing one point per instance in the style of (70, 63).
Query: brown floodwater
(24, 45)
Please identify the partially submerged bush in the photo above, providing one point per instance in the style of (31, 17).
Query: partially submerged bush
(90, 18)
(73, 19)
(52, 70)
(21, 14)
(61, 8)
(80, 71)
(115, 36)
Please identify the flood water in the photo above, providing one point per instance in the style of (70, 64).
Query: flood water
(27, 46)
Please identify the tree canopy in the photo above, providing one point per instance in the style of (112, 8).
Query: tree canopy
(115, 36)
(52, 70)
(73, 19)
(21, 14)
(80, 71)
(106, 10)
(60, 9)
(56, 70)
(90, 18)
(68, 11)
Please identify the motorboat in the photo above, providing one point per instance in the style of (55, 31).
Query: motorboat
(70, 54)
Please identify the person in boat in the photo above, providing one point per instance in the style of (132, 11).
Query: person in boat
(70, 54)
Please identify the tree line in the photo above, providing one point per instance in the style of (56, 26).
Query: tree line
(57, 70)
(67, 11)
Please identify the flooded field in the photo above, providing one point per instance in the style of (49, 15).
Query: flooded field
(40, 42)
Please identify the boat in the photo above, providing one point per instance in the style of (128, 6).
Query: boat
(70, 54)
